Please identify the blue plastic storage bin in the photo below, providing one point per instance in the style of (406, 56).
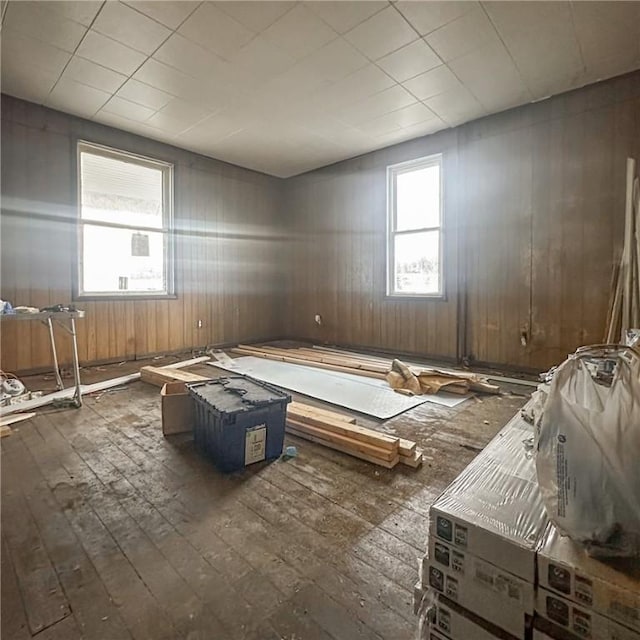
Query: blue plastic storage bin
(238, 420)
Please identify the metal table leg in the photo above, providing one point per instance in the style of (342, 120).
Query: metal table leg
(55, 355)
(77, 396)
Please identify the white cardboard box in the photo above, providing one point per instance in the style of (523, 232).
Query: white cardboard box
(494, 509)
(581, 621)
(565, 568)
(498, 597)
(458, 624)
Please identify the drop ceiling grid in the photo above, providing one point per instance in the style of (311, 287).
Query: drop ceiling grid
(285, 87)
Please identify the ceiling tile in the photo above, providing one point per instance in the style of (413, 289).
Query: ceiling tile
(170, 14)
(356, 86)
(32, 53)
(192, 59)
(82, 11)
(541, 40)
(215, 30)
(489, 73)
(401, 119)
(133, 126)
(34, 85)
(178, 116)
(77, 98)
(255, 15)
(299, 32)
(214, 128)
(346, 14)
(33, 20)
(109, 53)
(122, 23)
(424, 128)
(335, 60)
(609, 34)
(376, 105)
(381, 34)
(431, 83)
(167, 79)
(411, 60)
(127, 109)
(262, 59)
(463, 35)
(93, 75)
(145, 95)
(429, 16)
(456, 106)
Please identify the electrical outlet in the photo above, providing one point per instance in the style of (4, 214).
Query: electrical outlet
(199, 324)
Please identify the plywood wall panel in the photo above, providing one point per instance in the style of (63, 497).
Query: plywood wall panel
(228, 223)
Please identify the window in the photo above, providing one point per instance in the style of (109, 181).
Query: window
(125, 223)
(414, 241)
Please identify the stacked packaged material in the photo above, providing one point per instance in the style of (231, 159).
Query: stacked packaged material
(496, 566)
(484, 530)
(588, 597)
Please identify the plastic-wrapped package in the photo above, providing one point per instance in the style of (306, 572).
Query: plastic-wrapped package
(588, 448)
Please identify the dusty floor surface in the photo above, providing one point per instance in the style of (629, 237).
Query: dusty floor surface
(110, 531)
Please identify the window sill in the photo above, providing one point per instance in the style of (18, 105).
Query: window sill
(121, 298)
(437, 297)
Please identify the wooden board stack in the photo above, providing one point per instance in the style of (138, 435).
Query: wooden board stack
(340, 432)
(431, 379)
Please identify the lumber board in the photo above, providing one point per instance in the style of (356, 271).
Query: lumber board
(6, 421)
(5, 431)
(361, 434)
(406, 447)
(309, 363)
(387, 464)
(414, 460)
(301, 408)
(42, 401)
(344, 360)
(344, 441)
(158, 376)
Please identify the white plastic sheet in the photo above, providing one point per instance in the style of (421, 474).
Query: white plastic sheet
(588, 450)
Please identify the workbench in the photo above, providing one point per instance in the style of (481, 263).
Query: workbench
(66, 320)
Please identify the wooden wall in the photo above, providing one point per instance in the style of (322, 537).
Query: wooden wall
(535, 205)
(229, 245)
(533, 213)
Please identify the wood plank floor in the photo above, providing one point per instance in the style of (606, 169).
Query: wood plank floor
(110, 531)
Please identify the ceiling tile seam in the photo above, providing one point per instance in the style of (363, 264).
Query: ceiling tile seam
(172, 32)
(506, 48)
(420, 37)
(575, 33)
(98, 12)
(127, 4)
(5, 5)
(371, 60)
(291, 8)
(354, 26)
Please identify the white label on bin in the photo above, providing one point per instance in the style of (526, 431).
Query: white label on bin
(255, 442)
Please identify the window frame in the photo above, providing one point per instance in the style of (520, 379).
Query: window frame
(393, 171)
(167, 228)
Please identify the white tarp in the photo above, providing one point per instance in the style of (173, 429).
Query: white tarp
(364, 395)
